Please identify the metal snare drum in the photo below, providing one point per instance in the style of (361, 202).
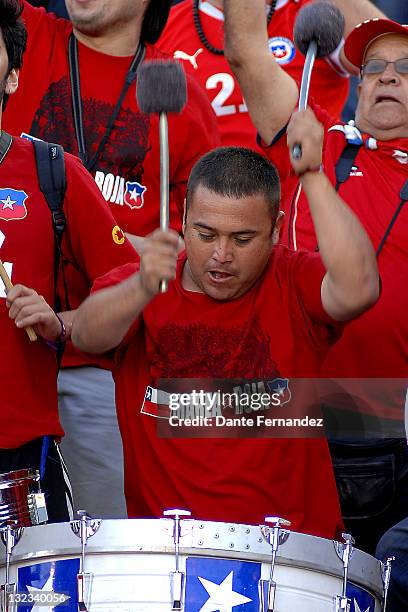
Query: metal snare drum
(130, 564)
(21, 501)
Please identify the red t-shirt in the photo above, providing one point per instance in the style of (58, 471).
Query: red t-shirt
(92, 243)
(329, 82)
(375, 344)
(278, 328)
(128, 169)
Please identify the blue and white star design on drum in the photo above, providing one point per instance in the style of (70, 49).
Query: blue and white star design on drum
(221, 585)
(361, 601)
(283, 49)
(55, 577)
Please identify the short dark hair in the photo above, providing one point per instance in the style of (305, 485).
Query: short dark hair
(14, 34)
(236, 172)
(154, 20)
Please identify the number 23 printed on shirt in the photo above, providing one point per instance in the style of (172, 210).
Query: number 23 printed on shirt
(228, 85)
(8, 267)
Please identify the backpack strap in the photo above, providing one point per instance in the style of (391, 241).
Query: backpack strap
(346, 162)
(52, 181)
(344, 165)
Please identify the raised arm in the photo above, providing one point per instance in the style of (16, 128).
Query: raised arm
(351, 283)
(354, 13)
(270, 93)
(104, 318)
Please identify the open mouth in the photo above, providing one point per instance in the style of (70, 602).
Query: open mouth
(218, 276)
(381, 99)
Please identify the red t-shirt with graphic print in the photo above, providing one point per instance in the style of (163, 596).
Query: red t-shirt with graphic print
(128, 168)
(374, 345)
(329, 82)
(277, 329)
(92, 243)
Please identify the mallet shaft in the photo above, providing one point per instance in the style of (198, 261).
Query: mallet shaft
(164, 182)
(304, 88)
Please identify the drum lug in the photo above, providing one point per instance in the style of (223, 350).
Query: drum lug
(341, 604)
(37, 508)
(267, 594)
(84, 581)
(10, 535)
(344, 551)
(275, 536)
(84, 528)
(177, 586)
(386, 577)
(6, 597)
(177, 577)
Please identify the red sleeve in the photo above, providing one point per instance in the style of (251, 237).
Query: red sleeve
(33, 17)
(43, 46)
(278, 152)
(201, 134)
(38, 23)
(115, 276)
(309, 272)
(93, 240)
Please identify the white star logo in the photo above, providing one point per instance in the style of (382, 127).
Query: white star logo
(48, 587)
(222, 597)
(133, 195)
(357, 607)
(8, 203)
(280, 390)
(279, 53)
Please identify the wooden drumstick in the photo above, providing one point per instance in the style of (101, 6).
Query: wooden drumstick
(9, 285)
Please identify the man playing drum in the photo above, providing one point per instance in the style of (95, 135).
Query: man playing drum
(238, 306)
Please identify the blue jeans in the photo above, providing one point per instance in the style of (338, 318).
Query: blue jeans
(395, 543)
(372, 482)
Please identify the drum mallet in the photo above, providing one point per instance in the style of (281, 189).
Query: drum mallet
(9, 285)
(161, 88)
(319, 28)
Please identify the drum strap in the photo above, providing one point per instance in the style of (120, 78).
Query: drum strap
(77, 101)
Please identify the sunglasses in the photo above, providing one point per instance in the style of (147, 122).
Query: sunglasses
(378, 66)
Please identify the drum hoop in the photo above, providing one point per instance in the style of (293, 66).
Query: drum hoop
(367, 576)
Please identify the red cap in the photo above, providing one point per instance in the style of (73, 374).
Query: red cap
(367, 32)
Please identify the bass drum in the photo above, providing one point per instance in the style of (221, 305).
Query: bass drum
(131, 561)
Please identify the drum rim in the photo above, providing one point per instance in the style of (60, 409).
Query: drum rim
(366, 575)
